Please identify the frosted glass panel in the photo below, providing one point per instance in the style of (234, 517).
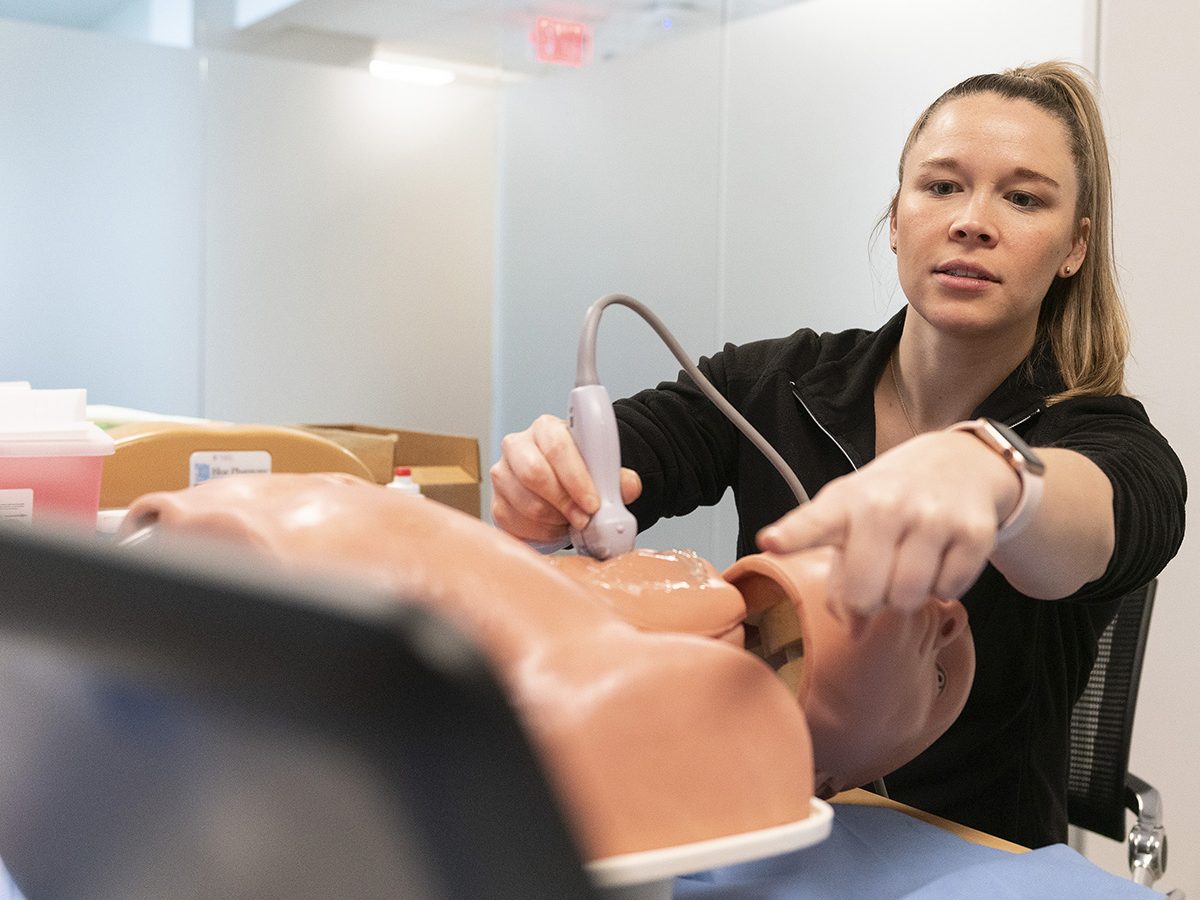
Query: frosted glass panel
(100, 208)
(246, 238)
(349, 235)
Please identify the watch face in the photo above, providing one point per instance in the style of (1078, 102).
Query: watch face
(1032, 461)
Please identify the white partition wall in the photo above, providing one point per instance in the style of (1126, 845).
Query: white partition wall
(610, 183)
(244, 238)
(348, 233)
(100, 217)
(730, 180)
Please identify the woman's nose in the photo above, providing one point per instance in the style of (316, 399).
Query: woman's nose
(972, 224)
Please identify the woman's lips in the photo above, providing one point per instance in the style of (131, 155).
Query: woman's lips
(964, 277)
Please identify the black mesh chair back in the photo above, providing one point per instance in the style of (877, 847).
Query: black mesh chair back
(187, 726)
(1102, 720)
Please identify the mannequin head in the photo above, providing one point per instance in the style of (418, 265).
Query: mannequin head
(876, 693)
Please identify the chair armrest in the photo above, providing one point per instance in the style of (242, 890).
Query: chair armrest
(1147, 840)
(1143, 800)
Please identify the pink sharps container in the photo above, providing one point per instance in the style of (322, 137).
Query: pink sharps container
(51, 456)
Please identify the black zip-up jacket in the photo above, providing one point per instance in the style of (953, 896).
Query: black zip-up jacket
(1002, 766)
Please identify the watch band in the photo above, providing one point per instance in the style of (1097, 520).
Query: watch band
(1029, 468)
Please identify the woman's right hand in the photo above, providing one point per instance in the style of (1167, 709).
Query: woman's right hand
(541, 486)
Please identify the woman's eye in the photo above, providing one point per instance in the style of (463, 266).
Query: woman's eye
(942, 188)
(1023, 200)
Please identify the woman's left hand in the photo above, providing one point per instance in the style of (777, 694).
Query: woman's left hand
(918, 521)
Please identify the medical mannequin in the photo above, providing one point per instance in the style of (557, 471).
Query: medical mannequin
(656, 731)
(876, 691)
(651, 740)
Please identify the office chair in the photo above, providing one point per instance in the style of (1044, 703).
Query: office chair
(194, 726)
(1100, 786)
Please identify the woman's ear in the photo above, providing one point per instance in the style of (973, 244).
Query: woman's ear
(1079, 249)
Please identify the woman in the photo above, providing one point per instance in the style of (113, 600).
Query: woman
(1001, 227)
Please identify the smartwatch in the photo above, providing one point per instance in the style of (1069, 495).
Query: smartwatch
(1020, 456)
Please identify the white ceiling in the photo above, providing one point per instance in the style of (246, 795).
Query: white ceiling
(492, 33)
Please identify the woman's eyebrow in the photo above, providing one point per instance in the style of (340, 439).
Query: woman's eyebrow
(951, 164)
(940, 162)
(1034, 175)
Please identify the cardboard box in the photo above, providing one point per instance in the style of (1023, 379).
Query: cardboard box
(445, 466)
(168, 456)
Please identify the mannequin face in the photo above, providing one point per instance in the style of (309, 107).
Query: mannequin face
(663, 590)
(875, 696)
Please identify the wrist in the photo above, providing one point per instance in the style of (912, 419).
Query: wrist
(1022, 462)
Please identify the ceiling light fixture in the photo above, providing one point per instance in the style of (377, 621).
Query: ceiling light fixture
(428, 76)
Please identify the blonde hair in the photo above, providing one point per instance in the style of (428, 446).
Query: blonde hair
(1082, 317)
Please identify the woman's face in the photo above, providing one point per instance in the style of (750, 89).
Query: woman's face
(986, 216)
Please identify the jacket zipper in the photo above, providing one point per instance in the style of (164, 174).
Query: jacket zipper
(1021, 422)
(837, 444)
(824, 430)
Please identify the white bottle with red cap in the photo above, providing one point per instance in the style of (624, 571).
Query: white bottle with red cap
(402, 480)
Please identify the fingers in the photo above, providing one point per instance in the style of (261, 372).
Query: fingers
(540, 484)
(566, 483)
(899, 540)
(915, 569)
(522, 513)
(809, 526)
(877, 566)
(631, 486)
(964, 562)
(868, 564)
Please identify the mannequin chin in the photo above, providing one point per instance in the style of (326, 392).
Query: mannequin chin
(650, 739)
(874, 699)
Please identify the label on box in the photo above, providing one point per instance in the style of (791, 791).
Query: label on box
(206, 465)
(16, 505)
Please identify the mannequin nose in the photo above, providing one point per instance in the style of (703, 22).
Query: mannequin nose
(951, 618)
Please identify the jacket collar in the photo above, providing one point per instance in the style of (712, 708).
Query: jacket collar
(839, 392)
